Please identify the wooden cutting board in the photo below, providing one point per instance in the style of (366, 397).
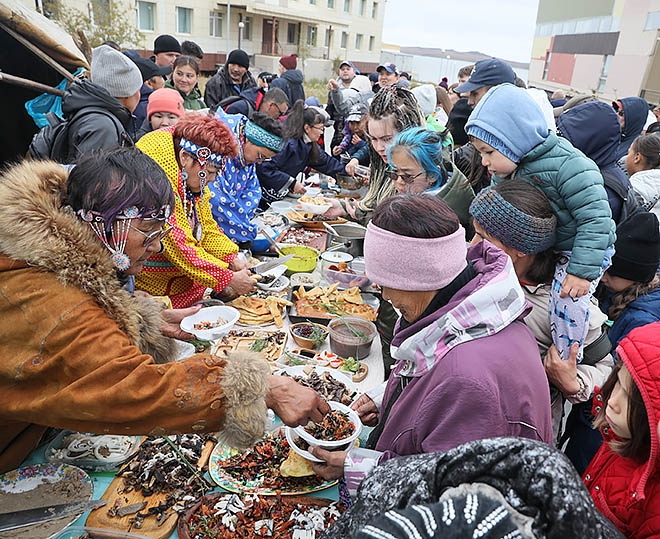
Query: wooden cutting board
(99, 517)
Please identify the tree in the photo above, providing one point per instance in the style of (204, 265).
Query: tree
(108, 20)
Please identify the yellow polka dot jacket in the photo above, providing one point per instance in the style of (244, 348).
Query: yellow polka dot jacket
(79, 352)
(188, 266)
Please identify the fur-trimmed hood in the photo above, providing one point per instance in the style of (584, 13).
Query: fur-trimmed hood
(38, 231)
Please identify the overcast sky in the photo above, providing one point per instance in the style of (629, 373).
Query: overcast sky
(502, 28)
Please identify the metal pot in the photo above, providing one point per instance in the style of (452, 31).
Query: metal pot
(348, 237)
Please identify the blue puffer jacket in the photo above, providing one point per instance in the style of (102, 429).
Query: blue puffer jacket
(574, 186)
(644, 310)
(635, 112)
(593, 128)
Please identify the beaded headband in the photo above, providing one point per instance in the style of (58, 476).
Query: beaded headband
(513, 227)
(120, 228)
(202, 153)
(260, 137)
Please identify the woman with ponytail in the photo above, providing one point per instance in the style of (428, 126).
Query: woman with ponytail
(277, 176)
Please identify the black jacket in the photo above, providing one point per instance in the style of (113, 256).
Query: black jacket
(292, 83)
(247, 103)
(535, 479)
(221, 86)
(95, 131)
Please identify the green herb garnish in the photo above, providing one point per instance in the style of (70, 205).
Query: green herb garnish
(200, 346)
(351, 365)
(258, 345)
(293, 360)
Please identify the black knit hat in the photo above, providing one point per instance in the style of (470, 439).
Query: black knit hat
(166, 43)
(637, 248)
(459, 516)
(239, 57)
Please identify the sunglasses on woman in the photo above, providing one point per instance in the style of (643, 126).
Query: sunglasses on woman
(405, 178)
(156, 235)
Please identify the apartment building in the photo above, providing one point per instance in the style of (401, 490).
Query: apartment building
(319, 31)
(605, 47)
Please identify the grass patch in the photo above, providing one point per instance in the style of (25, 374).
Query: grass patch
(318, 88)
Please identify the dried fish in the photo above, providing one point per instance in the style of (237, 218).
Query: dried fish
(130, 509)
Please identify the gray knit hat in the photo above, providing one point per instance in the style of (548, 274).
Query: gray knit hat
(115, 72)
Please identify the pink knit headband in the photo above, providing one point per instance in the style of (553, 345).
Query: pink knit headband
(415, 264)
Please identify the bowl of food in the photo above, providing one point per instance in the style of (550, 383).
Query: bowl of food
(309, 335)
(351, 336)
(350, 183)
(211, 323)
(314, 205)
(345, 277)
(304, 279)
(271, 283)
(304, 261)
(339, 427)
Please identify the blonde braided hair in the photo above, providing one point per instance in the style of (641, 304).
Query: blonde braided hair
(400, 106)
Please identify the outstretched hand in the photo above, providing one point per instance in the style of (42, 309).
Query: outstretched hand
(171, 320)
(294, 404)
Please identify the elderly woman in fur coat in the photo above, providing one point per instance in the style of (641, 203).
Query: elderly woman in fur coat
(78, 350)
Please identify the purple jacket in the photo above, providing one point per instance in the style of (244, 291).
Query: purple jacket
(475, 367)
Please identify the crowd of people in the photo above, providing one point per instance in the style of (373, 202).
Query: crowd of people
(514, 236)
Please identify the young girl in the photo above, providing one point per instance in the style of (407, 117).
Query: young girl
(623, 477)
(165, 108)
(509, 129)
(643, 166)
(631, 280)
(184, 79)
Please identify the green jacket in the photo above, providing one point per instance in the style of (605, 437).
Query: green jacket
(574, 186)
(192, 101)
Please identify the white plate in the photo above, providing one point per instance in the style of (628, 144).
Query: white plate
(184, 349)
(281, 206)
(355, 419)
(289, 433)
(280, 283)
(210, 314)
(315, 209)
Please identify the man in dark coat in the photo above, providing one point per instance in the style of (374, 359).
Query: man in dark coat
(633, 112)
(290, 79)
(152, 80)
(534, 478)
(231, 79)
(110, 99)
(273, 103)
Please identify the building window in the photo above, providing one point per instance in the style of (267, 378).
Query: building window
(374, 10)
(328, 37)
(363, 8)
(247, 29)
(146, 16)
(358, 42)
(372, 40)
(183, 20)
(603, 74)
(546, 66)
(313, 2)
(215, 23)
(652, 20)
(344, 40)
(311, 35)
(347, 6)
(292, 33)
(331, 4)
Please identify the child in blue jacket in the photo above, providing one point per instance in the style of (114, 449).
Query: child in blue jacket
(510, 131)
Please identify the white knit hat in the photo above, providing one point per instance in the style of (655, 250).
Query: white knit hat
(115, 72)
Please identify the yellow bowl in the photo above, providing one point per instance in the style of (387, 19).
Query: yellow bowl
(304, 261)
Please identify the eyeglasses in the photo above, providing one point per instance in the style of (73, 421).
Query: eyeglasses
(280, 112)
(320, 128)
(405, 178)
(156, 235)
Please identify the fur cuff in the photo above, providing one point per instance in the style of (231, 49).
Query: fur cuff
(151, 339)
(244, 384)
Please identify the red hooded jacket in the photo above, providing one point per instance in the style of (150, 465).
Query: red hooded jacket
(624, 490)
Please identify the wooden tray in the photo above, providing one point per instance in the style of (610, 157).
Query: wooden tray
(370, 299)
(301, 500)
(307, 220)
(320, 243)
(99, 518)
(237, 340)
